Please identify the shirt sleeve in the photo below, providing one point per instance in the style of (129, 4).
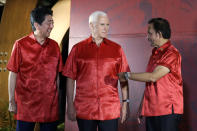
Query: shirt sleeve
(124, 67)
(15, 59)
(169, 60)
(70, 68)
(60, 63)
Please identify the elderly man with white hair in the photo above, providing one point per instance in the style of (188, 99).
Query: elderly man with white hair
(94, 64)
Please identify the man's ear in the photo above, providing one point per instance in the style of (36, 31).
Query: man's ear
(36, 25)
(160, 34)
(91, 26)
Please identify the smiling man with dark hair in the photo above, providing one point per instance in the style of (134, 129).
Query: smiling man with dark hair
(33, 78)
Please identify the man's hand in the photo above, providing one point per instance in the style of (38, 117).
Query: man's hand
(139, 118)
(125, 112)
(71, 112)
(122, 76)
(12, 107)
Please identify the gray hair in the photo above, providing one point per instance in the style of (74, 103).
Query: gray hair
(93, 18)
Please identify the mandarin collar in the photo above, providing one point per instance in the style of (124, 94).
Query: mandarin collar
(90, 40)
(33, 38)
(161, 48)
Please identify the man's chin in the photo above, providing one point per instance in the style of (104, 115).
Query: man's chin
(103, 36)
(153, 45)
(47, 35)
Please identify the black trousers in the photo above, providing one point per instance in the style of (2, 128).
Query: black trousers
(29, 126)
(163, 123)
(92, 125)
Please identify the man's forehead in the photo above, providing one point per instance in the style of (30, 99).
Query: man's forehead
(102, 17)
(48, 17)
(150, 27)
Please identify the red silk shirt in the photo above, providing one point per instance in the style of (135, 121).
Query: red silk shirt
(36, 66)
(95, 70)
(166, 93)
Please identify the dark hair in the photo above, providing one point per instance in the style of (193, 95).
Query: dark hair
(161, 25)
(38, 15)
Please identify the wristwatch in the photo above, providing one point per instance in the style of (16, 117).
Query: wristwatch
(127, 100)
(126, 75)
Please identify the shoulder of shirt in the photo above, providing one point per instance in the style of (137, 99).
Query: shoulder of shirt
(81, 43)
(26, 38)
(112, 43)
(53, 42)
(107, 41)
(20, 40)
(172, 50)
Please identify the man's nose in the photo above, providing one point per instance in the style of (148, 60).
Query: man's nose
(147, 36)
(106, 27)
(51, 25)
